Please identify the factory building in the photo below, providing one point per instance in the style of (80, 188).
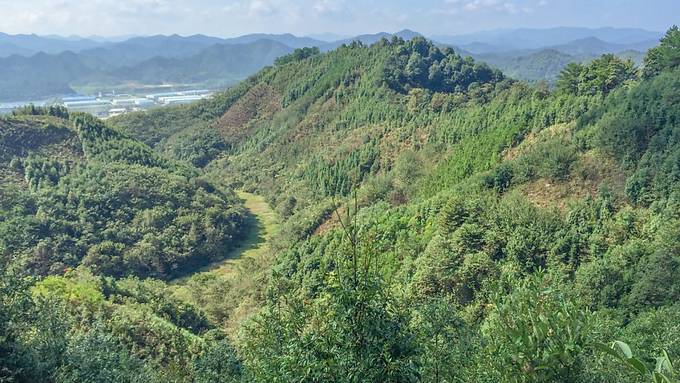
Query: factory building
(143, 102)
(78, 98)
(158, 96)
(173, 100)
(121, 104)
(86, 104)
(131, 102)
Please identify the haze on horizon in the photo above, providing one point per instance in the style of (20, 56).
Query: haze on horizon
(309, 17)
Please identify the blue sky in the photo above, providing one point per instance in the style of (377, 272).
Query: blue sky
(348, 17)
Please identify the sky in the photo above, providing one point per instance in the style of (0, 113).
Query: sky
(227, 18)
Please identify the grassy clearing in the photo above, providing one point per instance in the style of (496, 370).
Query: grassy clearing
(262, 224)
(230, 291)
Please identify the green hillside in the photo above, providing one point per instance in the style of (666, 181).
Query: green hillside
(81, 193)
(439, 222)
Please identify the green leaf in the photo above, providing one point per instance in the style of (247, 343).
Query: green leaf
(660, 378)
(623, 348)
(638, 365)
(663, 363)
(607, 349)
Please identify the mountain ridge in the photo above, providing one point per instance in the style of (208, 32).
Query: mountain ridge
(533, 38)
(106, 64)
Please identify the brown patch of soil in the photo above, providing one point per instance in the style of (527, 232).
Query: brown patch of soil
(259, 103)
(589, 174)
(331, 222)
(559, 130)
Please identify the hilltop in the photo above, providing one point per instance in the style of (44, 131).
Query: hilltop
(439, 221)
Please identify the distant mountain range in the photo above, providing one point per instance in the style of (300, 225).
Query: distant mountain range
(545, 64)
(223, 64)
(541, 54)
(138, 49)
(26, 45)
(155, 60)
(525, 38)
(36, 67)
(286, 39)
(595, 46)
(329, 37)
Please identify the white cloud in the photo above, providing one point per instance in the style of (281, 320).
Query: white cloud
(474, 5)
(259, 8)
(329, 6)
(454, 7)
(510, 7)
(85, 17)
(234, 17)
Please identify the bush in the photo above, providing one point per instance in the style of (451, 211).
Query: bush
(500, 178)
(218, 364)
(537, 333)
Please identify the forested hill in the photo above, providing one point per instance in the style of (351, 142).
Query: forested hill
(441, 222)
(76, 192)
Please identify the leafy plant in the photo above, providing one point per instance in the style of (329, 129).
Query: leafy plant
(663, 372)
(537, 333)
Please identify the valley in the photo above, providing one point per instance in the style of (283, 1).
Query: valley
(380, 209)
(261, 225)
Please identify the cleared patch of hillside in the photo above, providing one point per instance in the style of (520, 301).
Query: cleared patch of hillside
(240, 275)
(261, 102)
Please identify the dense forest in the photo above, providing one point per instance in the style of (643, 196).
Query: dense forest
(439, 222)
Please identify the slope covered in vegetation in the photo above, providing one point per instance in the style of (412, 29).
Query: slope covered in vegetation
(85, 194)
(84, 208)
(440, 223)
